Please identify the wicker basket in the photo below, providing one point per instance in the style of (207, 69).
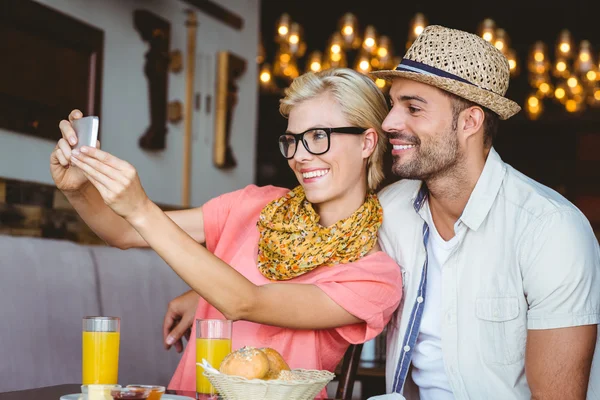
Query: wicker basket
(303, 385)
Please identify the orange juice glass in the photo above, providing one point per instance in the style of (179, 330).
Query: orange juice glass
(100, 350)
(213, 343)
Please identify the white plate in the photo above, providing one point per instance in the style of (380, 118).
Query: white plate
(76, 396)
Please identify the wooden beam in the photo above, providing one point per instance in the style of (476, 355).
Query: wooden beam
(217, 11)
(190, 57)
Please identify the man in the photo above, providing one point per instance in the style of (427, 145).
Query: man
(501, 274)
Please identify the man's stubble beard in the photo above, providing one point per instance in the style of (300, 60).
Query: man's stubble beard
(435, 160)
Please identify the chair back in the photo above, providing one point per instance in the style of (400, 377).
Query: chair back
(348, 372)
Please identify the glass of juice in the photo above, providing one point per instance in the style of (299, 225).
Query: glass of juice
(213, 343)
(130, 393)
(100, 350)
(156, 391)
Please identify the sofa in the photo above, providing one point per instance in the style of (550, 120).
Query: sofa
(48, 286)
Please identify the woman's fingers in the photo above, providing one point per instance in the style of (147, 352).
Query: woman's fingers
(106, 158)
(65, 149)
(75, 114)
(99, 166)
(111, 185)
(61, 158)
(100, 187)
(67, 131)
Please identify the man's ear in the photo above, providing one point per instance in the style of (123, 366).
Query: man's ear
(471, 121)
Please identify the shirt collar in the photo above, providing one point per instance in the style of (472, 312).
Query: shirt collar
(485, 192)
(483, 196)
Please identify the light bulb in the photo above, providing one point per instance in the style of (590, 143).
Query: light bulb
(418, 24)
(369, 42)
(348, 26)
(487, 30)
(533, 101)
(283, 26)
(564, 44)
(265, 77)
(265, 74)
(315, 61)
(572, 82)
(285, 57)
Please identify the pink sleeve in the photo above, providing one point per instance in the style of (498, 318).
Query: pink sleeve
(221, 212)
(215, 213)
(369, 289)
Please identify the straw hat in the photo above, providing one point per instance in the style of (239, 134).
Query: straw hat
(460, 63)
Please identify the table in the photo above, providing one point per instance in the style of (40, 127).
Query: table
(54, 393)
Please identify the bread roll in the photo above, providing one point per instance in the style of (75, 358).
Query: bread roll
(276, 363)
(253, 363)
(247, 362)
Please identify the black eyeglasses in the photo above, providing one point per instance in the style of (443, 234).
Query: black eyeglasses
(316, 140)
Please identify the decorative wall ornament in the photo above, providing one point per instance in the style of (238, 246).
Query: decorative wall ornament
(51, 63)
(218, 12)
(157, 32)
(229, 68)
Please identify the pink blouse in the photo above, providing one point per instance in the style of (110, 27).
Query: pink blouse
(370, 289)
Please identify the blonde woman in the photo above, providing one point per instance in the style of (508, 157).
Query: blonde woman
(300, 271)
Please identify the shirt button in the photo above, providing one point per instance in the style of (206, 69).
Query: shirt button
(406, 349)
(419, 299)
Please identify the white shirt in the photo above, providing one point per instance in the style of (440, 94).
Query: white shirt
(528, 260)
(427, 360)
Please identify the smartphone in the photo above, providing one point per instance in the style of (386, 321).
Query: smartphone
(86, 129)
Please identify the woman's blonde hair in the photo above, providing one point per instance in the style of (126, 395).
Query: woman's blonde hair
(362, 103)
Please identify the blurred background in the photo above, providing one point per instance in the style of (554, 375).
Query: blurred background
(553, 50)
(188, 92)
(129, 63)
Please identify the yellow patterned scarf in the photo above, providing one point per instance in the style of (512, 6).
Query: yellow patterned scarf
(293, 243)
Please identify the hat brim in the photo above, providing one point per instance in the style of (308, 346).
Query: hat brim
(505, 108)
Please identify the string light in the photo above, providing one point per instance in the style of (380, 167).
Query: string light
(573, 75)
(362, 49)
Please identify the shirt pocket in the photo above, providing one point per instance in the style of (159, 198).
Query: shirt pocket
(502, 330)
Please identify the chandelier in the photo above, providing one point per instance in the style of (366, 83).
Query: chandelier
(572, 79)
(349, 46)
